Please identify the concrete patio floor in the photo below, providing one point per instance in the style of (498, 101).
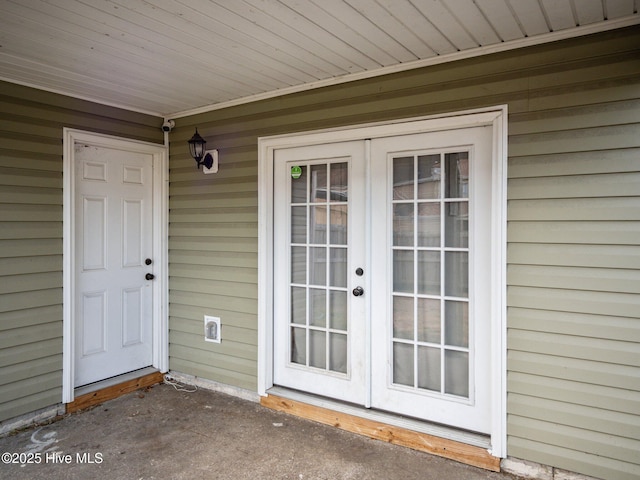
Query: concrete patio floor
(161, 433)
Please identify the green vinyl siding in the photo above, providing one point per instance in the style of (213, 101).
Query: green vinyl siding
(213, 251)
(573, 233)
(574, 251)
(31, 132)
(572, 269)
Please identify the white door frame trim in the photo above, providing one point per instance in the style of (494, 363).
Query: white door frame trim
(494, 116)
(160, 339)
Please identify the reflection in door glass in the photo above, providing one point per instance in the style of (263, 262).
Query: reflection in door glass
(456, 211)
(338, 349)
(338, 267)
(429, 324)
(339, 182)
(428, 272)
(318, 348)
(318, 265)
(403, 178)
(337, 310)
(318, 257)
(428, 224)
(299, 265)
(429, 172)
(457, 174)
(299, 224)
(403, 364)
(429, 368)
(403, 224)
(456, 274)
(456, 368)
(318, 186)
(456, 224)
(403, 317)
(456, 323)
(430, 255)
(403, 274)
(318, 224)
(338, 224)
(298, 346)
(298, 306)
(317, 307)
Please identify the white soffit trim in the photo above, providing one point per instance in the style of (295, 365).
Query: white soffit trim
(460, 55)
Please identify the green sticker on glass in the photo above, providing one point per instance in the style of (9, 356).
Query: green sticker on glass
(296, 172)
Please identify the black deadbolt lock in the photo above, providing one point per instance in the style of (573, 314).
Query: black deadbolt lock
(359, 271)
(147, 261)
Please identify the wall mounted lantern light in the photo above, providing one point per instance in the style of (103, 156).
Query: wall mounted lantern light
(207, 158)
(197, 145)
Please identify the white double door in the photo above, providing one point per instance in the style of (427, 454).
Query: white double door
(381, 273)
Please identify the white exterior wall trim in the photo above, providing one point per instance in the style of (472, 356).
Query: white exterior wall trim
(538, 471)
(31, 418)
(160, 340)
(495, 116)
(213, 386)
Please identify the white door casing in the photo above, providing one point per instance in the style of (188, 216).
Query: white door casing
(384, 394)
(114, 219)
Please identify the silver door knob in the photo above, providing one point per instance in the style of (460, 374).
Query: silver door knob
(358, 291)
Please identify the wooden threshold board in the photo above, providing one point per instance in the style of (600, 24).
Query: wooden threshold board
(461, 452)
(109, 393)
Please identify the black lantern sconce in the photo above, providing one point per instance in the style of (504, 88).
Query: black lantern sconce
(208, 158)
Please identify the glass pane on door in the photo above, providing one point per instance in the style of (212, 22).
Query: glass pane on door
(318, 330)
(430, 256)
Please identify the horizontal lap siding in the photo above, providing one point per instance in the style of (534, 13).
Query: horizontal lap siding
(573, 233)
(31, 132)
(573, 277)
(213, 251)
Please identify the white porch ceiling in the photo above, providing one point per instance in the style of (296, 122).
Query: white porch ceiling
(169, 57)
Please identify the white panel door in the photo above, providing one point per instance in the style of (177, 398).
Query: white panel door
(113, 244)
(318, 323)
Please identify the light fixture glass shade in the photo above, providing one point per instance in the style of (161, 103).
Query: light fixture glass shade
(197, 146)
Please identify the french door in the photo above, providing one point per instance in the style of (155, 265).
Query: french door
(319, 329)
(382, 274)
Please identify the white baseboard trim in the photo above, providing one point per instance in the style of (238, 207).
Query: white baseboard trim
(215, 386)
(567, 475)
(31, 418)
(538, 471)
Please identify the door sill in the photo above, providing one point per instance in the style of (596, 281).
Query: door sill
(466, 447)
(114, 387)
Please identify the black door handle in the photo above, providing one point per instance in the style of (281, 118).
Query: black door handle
(358, 291)
(149, 276)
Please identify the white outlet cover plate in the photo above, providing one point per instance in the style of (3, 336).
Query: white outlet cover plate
(207, 321)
